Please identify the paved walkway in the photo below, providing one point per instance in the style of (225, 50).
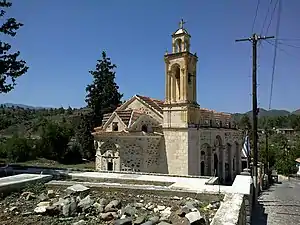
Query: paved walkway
(279, 205)
(240, 185)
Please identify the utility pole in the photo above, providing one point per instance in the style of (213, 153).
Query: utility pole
(254, 39)
(267, 154)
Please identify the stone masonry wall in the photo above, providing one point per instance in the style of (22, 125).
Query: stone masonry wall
(176, 142)
(140, 154)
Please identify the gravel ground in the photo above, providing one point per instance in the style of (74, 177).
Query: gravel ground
(20, 208)
(279, 205)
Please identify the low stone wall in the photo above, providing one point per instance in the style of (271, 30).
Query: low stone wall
(232, 211)
(236, 209)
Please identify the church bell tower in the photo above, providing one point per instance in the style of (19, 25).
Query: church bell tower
(180, 85)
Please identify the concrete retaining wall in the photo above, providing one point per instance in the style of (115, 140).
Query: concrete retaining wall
(17, 182)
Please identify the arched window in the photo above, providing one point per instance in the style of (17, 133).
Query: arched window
(115, 126)
(178, 46)
(145, 128)
(176, 82)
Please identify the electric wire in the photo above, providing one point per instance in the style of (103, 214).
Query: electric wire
(272, 16)
(275, 52)
(255, 16)
(281, 49)
(265, 20)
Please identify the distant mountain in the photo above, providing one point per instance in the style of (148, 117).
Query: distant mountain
(297, 112)
(10, 105)
(266, 113)
(273, 112)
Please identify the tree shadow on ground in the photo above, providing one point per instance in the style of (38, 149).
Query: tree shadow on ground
(259, 217)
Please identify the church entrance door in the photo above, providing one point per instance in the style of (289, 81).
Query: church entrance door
(110, 166)
(202, 168)
(216, 162)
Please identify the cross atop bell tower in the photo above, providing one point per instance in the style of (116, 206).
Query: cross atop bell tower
(181, 23)
(181, 39)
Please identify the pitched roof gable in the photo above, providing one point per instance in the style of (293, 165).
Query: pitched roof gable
(154, 103)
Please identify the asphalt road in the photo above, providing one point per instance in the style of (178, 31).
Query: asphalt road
(279, 205)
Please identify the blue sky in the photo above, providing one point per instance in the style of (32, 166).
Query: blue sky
(61, 41)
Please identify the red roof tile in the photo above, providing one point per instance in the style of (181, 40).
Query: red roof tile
(155, 103)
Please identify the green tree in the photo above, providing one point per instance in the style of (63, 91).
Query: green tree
(54, 141)
(10, 66)
(84, 136)
(19, 149)
(103, 94)
(245, 123)
(285, 154)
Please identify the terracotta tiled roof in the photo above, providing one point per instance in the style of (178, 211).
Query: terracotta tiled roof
(106, 117)
(124, 115)
(155, 103)
(135, 116)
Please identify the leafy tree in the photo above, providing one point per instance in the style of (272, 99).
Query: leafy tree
(19, 149)
(73, 154)
(54, 141)
(285, 154)
(245, 123)
(84, 136)
(10, 66)
(103, 94)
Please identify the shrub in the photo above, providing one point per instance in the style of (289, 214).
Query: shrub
(19, 149)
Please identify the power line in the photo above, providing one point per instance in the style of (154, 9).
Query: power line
(281, 49)
(288, 39)
(265, 20)
(275, 53)
(256, 12)
(272, 16)
(289, 45)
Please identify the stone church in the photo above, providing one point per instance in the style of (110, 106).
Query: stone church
(174, 136)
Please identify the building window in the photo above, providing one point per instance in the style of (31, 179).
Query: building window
(229, 125)
(210, 123)
(145, 128)
(220, 124)
(115, 126)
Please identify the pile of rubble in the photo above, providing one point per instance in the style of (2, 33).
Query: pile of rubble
(78, 205)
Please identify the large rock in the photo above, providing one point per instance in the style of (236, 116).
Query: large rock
(139, 220)
(69, 207)
(85, 203)
(129, 210)
(125, 221)
(28, 195)
(78, 189)
(107, 216)
(51, 194)
(113, 206)
(195, 218)
(154, 219)
(165, 214)
(40, 209)
(80, 222)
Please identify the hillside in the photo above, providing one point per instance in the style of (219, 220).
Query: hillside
(28, 120)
